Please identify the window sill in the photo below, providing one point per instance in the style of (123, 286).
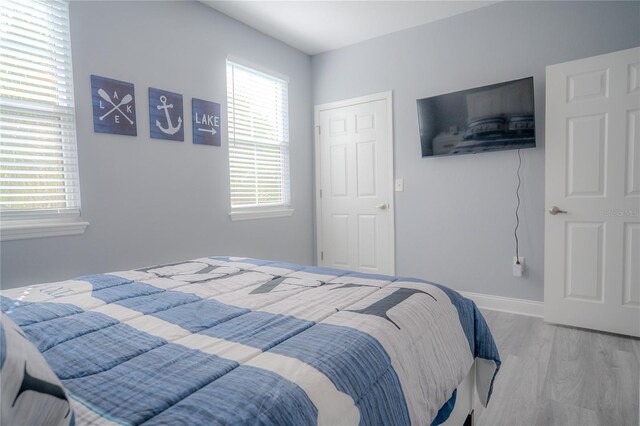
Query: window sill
(250, 214)
(22, 230)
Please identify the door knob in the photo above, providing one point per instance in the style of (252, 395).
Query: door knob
(555, 210)
(382, 206)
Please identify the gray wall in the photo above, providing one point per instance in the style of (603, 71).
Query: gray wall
(455, 219)
(150, 201)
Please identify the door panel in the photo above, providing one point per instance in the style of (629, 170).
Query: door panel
(586, 165)
(338, 170)
(631, 265)
(365, 122)
(588, 85)
(339, 228)
(338, 126)
(634, 78)
(356, 180)
(592, 249)
(367, 247)
(366, 165)
(632, 183)
(584, 261)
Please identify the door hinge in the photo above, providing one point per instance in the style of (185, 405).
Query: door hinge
(321, 193)
(321, 255)
(319, 130)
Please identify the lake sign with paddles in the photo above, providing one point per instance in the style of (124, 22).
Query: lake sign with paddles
(114, 106)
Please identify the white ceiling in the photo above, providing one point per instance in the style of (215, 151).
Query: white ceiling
(318, 26)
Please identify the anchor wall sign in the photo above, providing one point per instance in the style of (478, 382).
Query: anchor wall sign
(114, 106)
(165, 115)
(206, 122)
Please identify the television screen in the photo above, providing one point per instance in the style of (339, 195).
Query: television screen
(490, 118)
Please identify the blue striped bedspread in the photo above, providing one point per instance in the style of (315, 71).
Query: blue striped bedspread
(229, 341)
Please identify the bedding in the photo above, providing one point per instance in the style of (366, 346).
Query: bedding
(485, 128)
(26, 381)
(225, 340)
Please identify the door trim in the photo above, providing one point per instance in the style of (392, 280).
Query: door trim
(388, 97)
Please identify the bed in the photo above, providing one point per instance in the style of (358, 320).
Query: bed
(224, 340)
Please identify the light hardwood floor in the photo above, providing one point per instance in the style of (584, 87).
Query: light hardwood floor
(555, 375)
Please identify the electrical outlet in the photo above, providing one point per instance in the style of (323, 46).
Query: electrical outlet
(518, 266)
(399, 185)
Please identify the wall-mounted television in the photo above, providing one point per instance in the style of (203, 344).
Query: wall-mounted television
(490, 118)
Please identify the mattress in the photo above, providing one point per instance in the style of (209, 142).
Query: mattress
(224, 340)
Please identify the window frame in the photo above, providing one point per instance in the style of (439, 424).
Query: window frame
(17, 224)
(265, 211)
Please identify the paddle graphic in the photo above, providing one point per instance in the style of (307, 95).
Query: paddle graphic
(104, 95)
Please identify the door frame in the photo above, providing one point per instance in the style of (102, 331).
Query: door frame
(389, 186)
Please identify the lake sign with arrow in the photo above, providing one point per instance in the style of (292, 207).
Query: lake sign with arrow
(166, 115)
(206, 122)
(114, 106)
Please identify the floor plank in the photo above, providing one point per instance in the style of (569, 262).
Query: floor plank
(554, 413)
(554, 375)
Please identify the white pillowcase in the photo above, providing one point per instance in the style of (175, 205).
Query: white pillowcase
(32, 394)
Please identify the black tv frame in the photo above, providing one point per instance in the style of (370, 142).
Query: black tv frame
(490, 144)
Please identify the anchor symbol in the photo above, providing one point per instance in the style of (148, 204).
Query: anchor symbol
(170, 130)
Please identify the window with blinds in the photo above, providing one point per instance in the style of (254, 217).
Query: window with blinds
(38, 160)
(258, 122)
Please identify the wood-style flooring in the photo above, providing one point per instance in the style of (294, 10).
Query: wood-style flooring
(554, 375)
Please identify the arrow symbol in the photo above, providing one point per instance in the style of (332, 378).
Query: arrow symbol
(212, 130)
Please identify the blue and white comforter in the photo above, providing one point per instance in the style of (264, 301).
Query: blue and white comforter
(242, 341)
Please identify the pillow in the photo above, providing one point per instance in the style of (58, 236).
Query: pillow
(32, 394)
(521, 125)
(485, 128)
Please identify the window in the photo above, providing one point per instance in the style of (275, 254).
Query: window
(39, 182)
(257, 104)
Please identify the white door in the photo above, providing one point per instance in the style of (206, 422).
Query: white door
(592, 191)
(354, 177)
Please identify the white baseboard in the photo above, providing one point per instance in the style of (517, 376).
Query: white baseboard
(506, 304)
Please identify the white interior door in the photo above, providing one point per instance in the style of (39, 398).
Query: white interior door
(592, 236)
(354, 177)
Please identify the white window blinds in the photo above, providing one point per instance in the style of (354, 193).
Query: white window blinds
(257, 105)
(38, 160)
